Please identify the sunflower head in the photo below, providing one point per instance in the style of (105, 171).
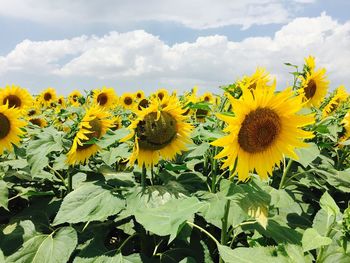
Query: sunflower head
(15, 97)
(116, 123)
(61, 102)
(127, 101)
(264, 129)
(105, 97)
(74, 97)
(93, 126)
(340, 96)
(41, 122)
(10, 128)
(310, 63)
(159, 132)
(260, 79)
(314, 87)
(346, 123)
(47, 97)
(139, 95)
(161, 94)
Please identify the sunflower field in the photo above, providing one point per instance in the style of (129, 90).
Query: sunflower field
(255, 174)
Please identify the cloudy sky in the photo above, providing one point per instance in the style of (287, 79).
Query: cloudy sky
(132, 45)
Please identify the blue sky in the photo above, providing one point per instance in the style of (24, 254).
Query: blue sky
(131, 45)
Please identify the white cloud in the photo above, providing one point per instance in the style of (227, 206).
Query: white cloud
(198, 14)
(138, 59)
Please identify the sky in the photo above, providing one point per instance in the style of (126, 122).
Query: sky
(132, 45)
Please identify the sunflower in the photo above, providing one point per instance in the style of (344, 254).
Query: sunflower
(144, 103)
(127, 101)
(310, 63)
(73, 98)
(159, 133)
(93, 126)
(161, 94)
(47, 97)
(340, 96)
(263, 130)
(10, 128)
(39, 122)
(105, 97)
(346, 124)
(117, 123)
(61, 101)
(207, 97)
(139, 95)
(259, 79)
(314, 87)
(16, 97)
(189, 98)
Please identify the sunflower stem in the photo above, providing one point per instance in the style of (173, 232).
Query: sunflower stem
(286, 169)
(70, 182)
(203, 230)
(214, 165)
(143, 177)
(224, 220)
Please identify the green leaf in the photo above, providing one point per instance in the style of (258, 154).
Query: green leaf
(164, 218)
(248, 255)
(4, 193)
(47, 141)
(56, 247)
(89, 202)
(199, 150)
(110, 156)
(112, 137)
(328, 204)
(119, 258)
(307, 154)
(2, 258)
(312, 240)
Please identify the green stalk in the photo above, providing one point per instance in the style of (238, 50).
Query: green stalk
(290, 161)
(203, 230)
(143, 177)
(214, 165)
(225, 225)
(70, 181)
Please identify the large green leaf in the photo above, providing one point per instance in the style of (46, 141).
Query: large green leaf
(307, 154)
(49, 140)
(56, 247)
(119, 258)
(166, 217)
(329, 205)
(3, 194)
(312, 240)
(89, 202)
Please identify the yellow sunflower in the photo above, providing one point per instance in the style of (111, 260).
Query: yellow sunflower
(189, 98)
(139, 95)
(314, 87)
(207, 97)
(263, 130)
(47, 97)
(41, 122)
(127, 101)
(159, 133)
(73, 98)
(16, 97)
(61, 101)
(105, 97)
(10, 128)
(259, 79)
(161, 94)
(346, 124)
(144, 103)
(117, 123)
(94, 125)
(340, 96)
(310, 63)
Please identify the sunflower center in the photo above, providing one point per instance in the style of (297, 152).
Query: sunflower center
(36, 121)
(156, 134)
(13, 101)
(47, 96)
(144, 103)
(75, 98)
(31, 112)
(259, 130)
(310, 89)
(102, 99)
(206, 98)
(139, 95)
(95, 132)
(128, 101)
(5, 126)
(60, 101)
(161, 95)
(200, 113)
